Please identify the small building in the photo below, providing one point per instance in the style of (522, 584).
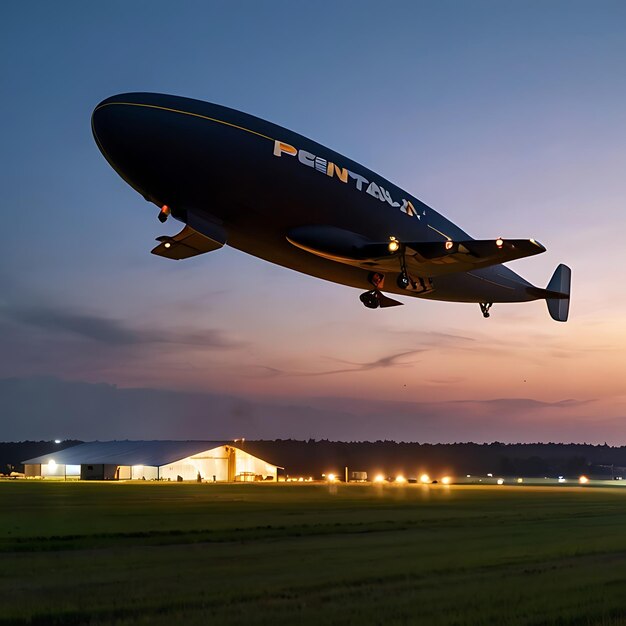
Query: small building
(213, 461)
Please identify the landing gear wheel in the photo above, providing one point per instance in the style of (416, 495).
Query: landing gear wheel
(484, 308)
(370, 299)
(403, 281)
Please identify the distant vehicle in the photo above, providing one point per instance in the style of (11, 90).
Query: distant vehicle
(237, 179)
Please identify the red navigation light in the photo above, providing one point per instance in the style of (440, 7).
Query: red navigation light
(164, 213)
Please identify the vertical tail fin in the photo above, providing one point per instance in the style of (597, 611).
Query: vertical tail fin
(559, 286)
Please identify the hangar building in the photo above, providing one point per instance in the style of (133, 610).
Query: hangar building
(152, 460)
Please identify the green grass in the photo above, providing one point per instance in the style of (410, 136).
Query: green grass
(157, 553)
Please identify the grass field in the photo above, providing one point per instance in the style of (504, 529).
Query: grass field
(158, 553)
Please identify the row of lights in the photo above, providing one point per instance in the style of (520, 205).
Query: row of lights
(400, 479)
(425, 479)
(394, 244)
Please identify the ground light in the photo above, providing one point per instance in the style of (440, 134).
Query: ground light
(424, 478)
(379, 478)
(331, 477)
(445, 480)
(583, 480)
(500, 481)
(520, 480)
(400, 478)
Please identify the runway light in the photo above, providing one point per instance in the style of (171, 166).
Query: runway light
(400, 478)
(499, 242)
(424, 478)
(393, 244)
(583, 480)
(379, 478)
(449, 245)
(446, 480)
(500, 481)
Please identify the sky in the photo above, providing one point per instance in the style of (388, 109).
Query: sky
(509, 118)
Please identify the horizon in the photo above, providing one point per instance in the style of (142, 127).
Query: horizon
(306, 441)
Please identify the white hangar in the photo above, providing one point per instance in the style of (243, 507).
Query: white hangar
(212, 461)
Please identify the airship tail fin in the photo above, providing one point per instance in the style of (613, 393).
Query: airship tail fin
(558, 292)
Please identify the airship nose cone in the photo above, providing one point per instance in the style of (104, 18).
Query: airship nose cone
(102, 126)
(165, 147)
(117, 132)
(126, 134)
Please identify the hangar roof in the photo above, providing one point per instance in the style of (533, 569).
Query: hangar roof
(151, 453)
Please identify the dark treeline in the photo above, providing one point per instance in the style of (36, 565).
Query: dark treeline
(314, 458)
(13, 453)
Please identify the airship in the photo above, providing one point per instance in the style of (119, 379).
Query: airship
(234, 179)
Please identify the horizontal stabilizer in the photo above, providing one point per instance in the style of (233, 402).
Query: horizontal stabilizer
(187, 243)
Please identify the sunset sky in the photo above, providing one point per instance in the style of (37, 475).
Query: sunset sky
(507, 117)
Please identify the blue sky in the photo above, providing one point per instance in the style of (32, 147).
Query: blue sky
(507, 117)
